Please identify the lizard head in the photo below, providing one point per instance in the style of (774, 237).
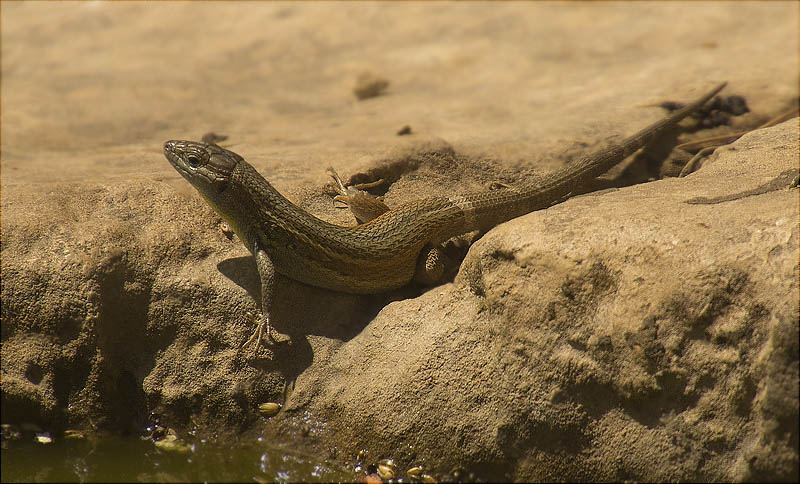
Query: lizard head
(207, 167)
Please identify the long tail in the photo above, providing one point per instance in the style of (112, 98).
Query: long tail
(486, 209)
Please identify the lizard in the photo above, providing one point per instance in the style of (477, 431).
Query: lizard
(393, 247)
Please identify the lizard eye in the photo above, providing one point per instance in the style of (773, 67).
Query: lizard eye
(193, 160)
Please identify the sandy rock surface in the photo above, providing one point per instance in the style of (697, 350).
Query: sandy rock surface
(631, 333)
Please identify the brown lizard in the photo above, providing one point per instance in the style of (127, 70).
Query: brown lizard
(395, 246)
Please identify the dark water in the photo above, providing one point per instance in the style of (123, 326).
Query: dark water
(114, 459)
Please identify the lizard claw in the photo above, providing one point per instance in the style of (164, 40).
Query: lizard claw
(339, 185)
(258, 334)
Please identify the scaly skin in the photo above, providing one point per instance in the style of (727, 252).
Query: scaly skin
(381, 254)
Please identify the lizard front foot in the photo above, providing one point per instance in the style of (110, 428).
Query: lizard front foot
(255, 339)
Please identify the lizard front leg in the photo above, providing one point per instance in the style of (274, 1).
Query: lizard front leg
(266, 271)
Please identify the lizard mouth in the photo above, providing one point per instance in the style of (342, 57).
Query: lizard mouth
(171, 153)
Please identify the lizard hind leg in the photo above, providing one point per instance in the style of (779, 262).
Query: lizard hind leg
(430, 265)
(363, 206)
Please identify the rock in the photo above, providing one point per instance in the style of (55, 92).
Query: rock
(622, 335)
(641, 336)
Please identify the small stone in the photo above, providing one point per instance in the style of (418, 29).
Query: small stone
(369, 85)
(171, 443)
(269, 409)
(74, 434)
(386, 469)
(415, 472)
(43, 438)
